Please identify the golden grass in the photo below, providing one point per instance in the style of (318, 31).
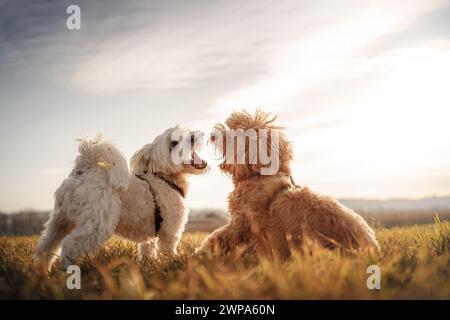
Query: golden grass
(414, 262)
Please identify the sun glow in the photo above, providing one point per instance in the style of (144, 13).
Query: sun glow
(398, 131)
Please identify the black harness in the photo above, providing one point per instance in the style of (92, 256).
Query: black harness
(158, 217)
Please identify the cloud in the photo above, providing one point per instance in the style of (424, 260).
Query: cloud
(305, 62)
(200, 42)
(273, 51)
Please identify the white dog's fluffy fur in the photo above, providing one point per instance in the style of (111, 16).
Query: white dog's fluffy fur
(100, 198)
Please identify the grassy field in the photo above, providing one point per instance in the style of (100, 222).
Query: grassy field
(414, 262)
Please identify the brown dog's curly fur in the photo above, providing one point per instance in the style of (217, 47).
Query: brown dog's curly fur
(268, 210)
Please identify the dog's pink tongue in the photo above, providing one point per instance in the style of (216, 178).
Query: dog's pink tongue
(197, 160)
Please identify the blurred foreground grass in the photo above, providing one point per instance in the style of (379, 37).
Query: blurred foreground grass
(414, 262)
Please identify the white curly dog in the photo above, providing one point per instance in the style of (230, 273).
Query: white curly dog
(100, 197)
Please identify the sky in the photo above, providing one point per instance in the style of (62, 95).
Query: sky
(361, 86)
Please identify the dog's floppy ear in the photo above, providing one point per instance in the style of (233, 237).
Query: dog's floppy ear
(140, 161)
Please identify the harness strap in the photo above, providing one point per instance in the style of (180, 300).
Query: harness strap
(293, 182)
(158, 217)
(172, 185)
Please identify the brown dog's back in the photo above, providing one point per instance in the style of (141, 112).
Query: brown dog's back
(301, 212)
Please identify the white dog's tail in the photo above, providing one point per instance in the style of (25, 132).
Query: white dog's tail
(85, 149)
(98, 153)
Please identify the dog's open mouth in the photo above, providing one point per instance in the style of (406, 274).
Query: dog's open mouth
(197, 162)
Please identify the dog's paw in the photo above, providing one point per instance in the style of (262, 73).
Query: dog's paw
(40, 265)
(61, 264)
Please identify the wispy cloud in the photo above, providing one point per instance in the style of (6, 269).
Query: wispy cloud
(329, 49)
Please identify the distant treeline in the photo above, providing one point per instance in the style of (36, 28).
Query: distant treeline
(389, 219)
(31, 222)
(23, 223)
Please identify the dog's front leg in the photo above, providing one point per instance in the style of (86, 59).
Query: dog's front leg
(168, 243)
(148, 249)
(224, 239)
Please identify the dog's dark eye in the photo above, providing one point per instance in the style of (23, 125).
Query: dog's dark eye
(173, 144)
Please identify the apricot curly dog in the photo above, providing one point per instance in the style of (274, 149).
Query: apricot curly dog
(268, 211)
